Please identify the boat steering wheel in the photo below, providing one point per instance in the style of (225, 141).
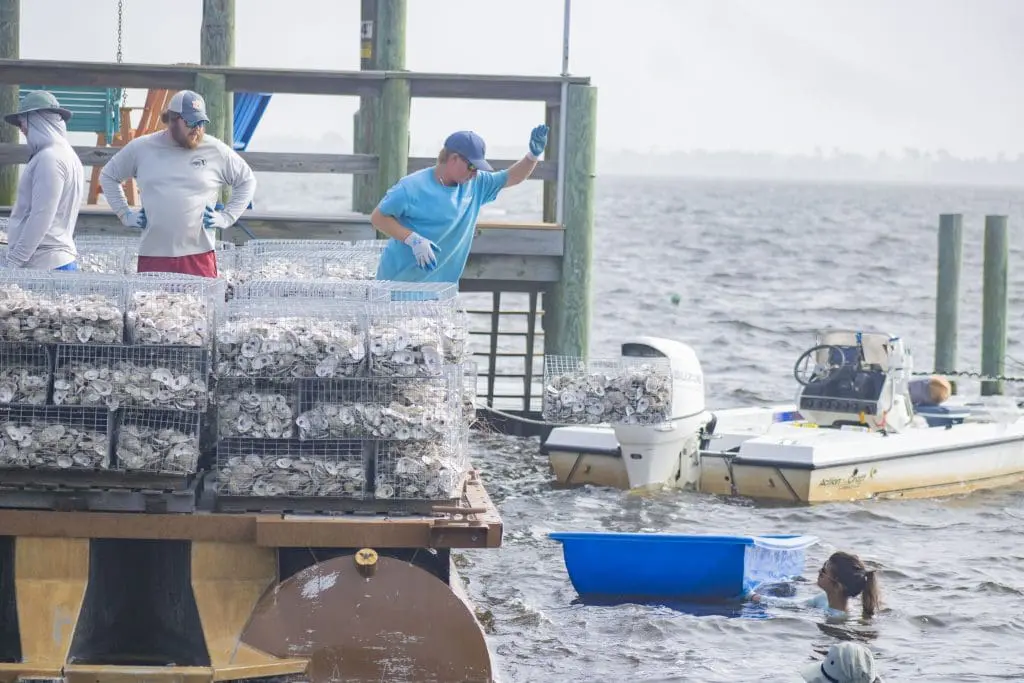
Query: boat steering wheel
(807, 370)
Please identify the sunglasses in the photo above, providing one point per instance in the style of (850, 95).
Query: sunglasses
(197, 124)
(469, 164)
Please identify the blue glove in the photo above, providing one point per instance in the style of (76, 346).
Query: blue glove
(423, 249)
(538, 140)
(134, 219)
(214, 219)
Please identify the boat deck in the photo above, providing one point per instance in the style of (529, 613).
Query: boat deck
(474, 522)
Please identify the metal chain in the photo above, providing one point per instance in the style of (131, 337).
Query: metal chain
(120, 44)
(972, 375)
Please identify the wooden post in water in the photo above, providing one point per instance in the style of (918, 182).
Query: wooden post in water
(364, 140)
(217, 48)
(995, 303)
(393, 123)
(567, 328)
(10, 38)
(947, 296)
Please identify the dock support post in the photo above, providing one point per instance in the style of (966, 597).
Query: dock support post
(947, 295)
(393, 123)
(364, 141)
(567, 326)
(217, 48)
(995, 303)
(10, 38)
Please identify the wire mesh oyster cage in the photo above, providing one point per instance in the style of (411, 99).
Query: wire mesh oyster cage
(470, 387)
(257, 408)
(53, 438)
(413, 409)
(53, 307)
(262, 245)
(288, 474)
(607, 390)
(394, 290)
(162, 377)
(173, 309)
(294, 337)
(127, 246)
(304, 264)
(405, 338)
(334, 290)
(25, 373)
(432, 470)
(157, 441)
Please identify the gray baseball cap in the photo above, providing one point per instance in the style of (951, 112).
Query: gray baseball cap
(38, 100)
(190, 106)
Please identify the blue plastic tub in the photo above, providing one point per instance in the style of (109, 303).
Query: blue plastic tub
(943, 416)
(679, 566)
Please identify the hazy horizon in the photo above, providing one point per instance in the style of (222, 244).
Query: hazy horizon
(781, 79)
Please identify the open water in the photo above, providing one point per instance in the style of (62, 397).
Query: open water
(757, 267)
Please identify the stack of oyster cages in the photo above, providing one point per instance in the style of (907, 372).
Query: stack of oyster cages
(344, 388)
(626, 390)
(104, 371)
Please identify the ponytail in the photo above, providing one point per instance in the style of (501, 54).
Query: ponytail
(870, 598)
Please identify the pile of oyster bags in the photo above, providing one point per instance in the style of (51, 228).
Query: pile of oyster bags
(333, 385)
(104, 371)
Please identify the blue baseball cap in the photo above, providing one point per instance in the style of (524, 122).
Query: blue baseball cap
(470, 146)
(190, 106)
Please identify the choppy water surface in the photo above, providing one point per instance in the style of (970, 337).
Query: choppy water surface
(757, 268)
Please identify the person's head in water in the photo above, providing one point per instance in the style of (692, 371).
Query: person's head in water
(845, 576)
(186, 118)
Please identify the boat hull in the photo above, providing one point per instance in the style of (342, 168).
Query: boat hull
(920, 475)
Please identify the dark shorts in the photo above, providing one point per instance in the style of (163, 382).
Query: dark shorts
(204, 265)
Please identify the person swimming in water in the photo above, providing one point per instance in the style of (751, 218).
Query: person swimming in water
(843, 576)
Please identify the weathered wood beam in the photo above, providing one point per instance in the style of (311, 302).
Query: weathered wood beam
(280, 162)
(217, 48)
(507, 250)
(10, 22)
(309, 82)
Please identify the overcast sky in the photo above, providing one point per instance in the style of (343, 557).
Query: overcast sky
(775, 75)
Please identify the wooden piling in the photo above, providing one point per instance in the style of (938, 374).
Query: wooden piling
(947, 295)
(393, 124)
(567, 321)
(10, 36)
(995, 303)
(217, 48)
(364, 141)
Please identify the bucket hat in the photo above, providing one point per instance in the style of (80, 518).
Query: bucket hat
(844, 663)
(38, 100)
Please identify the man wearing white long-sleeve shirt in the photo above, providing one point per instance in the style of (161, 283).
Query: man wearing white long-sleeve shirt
(180, 172)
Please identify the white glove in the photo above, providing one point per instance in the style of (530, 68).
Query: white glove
(423, 249)
(213, 219)
(134, 219)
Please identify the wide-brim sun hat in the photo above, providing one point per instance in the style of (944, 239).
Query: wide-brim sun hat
(38, 100)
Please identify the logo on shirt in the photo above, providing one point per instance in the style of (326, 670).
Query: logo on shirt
(198, 162)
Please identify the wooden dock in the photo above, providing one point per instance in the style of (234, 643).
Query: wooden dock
(538, 274)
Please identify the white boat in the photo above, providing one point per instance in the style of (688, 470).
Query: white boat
(853, 433)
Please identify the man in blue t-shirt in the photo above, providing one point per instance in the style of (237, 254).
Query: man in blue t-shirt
(431, 214)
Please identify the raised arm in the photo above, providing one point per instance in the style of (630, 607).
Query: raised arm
(523, 169)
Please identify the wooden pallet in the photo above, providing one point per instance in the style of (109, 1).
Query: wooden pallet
(81, 499)
(82, 478)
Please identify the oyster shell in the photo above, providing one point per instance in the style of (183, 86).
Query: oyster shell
(128, 383)
(47, 443)
(69, 317)
(26, 384)
(368, 420)
(279, 346)
(405, 346)
(640, 394)
(264, 475)
(257, 414)
(168, 318)
(155, 448)
(420, 469)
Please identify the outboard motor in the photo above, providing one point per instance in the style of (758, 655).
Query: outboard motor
(668, 452)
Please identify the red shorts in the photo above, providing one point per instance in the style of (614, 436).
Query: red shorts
(204, 265)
